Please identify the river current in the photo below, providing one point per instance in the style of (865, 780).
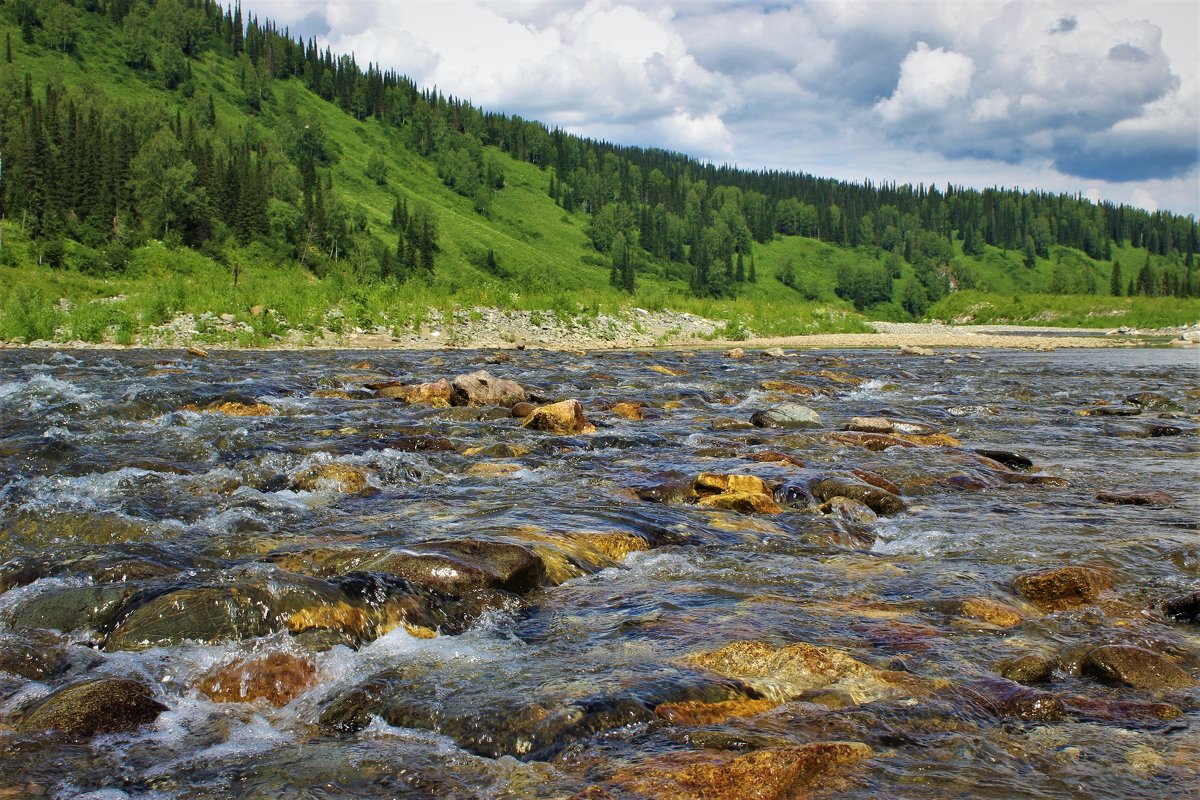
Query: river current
(334, 593)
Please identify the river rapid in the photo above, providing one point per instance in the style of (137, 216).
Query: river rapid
(271, 575)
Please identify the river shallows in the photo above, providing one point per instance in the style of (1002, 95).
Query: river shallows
(598, 626)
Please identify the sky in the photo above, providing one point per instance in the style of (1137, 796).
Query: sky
(1097, 97)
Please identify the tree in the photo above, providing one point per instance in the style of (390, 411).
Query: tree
(1115, 284)
(1030, 253)
(163, 182)
(377, 169)
(913, 298)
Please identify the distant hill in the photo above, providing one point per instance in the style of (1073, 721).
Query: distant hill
(175, 157)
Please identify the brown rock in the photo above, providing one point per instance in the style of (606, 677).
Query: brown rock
(1011, 700)
(716, 483)
(1134, 666)
(875, 442)
(333, 477)
(483, 389)
(332, 394)
(878, 500)
(522, 410)
(233, 409)
(258, 311)
(1029, 668)
(697, 712)
(491, 469)
(1121, 711)
(993, 612)
(788, 387)
(197, 351)
(876, 480)
(735, 352)
(565, 419)
(930, 439)
(789, 672)
(101, 705)
(849, 510)
(457, 566)
(1155, 497)
(661, 370)
(776, 773)
(1061, 588)
(743, 502)
(277, 679)
(775, 457)
(629, 411)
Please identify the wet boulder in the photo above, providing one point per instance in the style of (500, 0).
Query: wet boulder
(746, 494)
(1134, 666)
(776, 773)
(30, 656)
(1007, 699)
(88, 708)
(875, 442)
(564, 418)
(232, 408)
(992, 612)
(1027, 669)
(1152, 400)
(804, 671)
(742, 502)
(878, 500)
(341, 478)
(786, 415)
(275, 679)
(483, 389)
(1126, 713)
(1008, 459)
(435, 393)
(1061, 588)
(457, 566)
(1185, 608)
(698, 712)
(73, 608)
(870, 425)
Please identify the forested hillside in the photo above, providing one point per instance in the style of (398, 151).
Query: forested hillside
(182, 157)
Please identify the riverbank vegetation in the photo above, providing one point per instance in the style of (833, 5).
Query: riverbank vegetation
(173, 157)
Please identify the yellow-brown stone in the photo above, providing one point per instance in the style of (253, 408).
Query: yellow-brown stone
(673, 373)
(778, 773)
(993, 612)
(717, 483)
(743, 502)
(342, 478)
(629, 411)
(696, 712)
(233, 409)
(276, 679)
(564, 418)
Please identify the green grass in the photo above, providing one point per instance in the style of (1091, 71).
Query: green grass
(543, 252)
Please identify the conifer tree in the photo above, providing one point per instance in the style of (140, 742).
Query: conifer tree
(1115, 285)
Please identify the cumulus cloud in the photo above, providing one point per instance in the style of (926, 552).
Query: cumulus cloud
(1069, 94)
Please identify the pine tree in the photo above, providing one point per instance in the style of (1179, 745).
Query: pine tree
(1115, 285)
(753, 273)
(740, 273)
(8, 47)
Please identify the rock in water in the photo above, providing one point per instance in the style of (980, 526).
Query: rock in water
(1134, 666)
(776, 773)
(102, 705)
(482, 389)
(565, 419)
(277, 679)
(1153, 497)
(1185, 608)
(786, 415)
(1061, 588)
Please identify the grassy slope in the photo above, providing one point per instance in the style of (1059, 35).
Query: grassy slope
(544, 250)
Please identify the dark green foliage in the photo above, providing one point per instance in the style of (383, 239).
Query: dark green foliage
(377, 169)
(1115, 283)
(865, 285)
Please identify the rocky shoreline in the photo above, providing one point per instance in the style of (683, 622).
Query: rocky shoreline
(637, 328)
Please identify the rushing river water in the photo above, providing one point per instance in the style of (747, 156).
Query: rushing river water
(584, 588)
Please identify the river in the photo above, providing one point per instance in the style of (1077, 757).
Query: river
(344, 595)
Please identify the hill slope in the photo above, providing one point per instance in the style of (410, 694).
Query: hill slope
(172, 158)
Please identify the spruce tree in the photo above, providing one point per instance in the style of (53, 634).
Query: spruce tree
(8, 47)
(1115, 285)
(753, 273)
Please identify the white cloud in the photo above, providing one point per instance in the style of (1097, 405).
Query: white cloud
(931, 80)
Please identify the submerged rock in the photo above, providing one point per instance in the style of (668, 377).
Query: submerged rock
(870, 425)
(482, 389)
(1185, 608)
(1029, 668)
(800, 670)
(698, 712)
(1061, 588)
(73, 608)
(232, 408)
(1010, 460)
(1149, 497)
(786, 415)
(1128, 713)
(777, 773)
(457, 566)
(276, 679)
(1134, 666)
(743, 502)
(878, 500)
(342, 478)
(30, 656)
(993, 612)
(101, 705)
(1010, 700)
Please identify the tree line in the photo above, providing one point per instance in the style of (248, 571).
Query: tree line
(108, 173)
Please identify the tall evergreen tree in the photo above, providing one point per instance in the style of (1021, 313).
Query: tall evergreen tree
(1115, 283)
